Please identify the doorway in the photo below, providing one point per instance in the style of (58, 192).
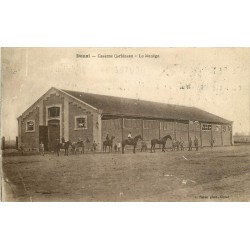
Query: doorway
(43, 136)
(53, 134)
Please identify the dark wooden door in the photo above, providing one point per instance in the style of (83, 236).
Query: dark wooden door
(43, 136)
(53, 134)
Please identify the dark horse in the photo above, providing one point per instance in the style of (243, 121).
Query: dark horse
(131, 142)
(161, 142)
(109, 144)
(64, 146)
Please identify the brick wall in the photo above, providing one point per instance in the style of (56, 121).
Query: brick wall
(30, 140)
(74, 134)
(51, 101)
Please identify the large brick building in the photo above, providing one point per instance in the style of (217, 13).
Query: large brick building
(73, 115)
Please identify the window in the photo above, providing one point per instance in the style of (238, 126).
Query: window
(217, 127)
(81, 122)
(168, 125)
(150, 124)
(206, 127)
(132, 123)
(30, 126)
(54, 112)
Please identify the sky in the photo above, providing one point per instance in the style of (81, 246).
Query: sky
(216, 80)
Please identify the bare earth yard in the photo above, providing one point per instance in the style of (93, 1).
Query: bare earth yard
(219, 174)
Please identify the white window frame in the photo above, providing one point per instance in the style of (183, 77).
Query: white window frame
(81, 116)
(30, 131)
(55, 117)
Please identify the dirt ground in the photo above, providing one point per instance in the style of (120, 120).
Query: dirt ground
(218, 174)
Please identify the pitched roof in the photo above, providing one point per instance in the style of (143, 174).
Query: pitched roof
(118, 106)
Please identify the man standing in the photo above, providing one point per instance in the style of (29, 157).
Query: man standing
(181, 144)
(129, 136)
(212, 143)
(173, 144)
(190, 144)
(87, 142)
(196, 143)
(63, 142)
(177, 145)
(42, 148)
(107, 138)
(118, 146)
(94, 146)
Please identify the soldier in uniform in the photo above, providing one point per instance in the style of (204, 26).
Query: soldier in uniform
(181, 144)
(212, 143)
(173, 144)
(190, 144)
(129, 136)
(42, 148)
(63, 142)
(196, 143)
(107, 137)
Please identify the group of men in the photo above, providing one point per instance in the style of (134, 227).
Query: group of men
(179, 144)
(93, 148)
(176, 144)
(117, 146)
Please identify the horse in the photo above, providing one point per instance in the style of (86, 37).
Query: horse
(77, 145)
(64, 146)
(109, 144)
(131, 142)
(161, 142)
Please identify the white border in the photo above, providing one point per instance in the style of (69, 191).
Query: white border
(128, 225)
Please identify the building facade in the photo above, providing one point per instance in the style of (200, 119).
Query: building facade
(76, 115)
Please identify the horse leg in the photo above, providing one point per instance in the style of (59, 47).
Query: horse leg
(123, 149)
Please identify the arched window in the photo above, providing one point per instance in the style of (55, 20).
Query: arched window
(53, 112)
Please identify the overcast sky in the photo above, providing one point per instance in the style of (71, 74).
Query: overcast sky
(216, 80)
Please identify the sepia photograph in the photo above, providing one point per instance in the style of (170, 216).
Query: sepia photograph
(125, 124)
